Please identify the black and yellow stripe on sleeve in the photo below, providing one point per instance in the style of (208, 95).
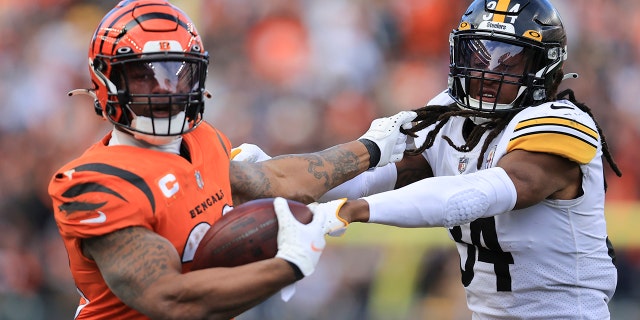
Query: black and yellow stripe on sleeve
(556, 135)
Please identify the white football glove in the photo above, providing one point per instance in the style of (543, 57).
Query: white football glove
(248, 152)
(385, 133)
(333, 225)
(411, 141)
(298, 243)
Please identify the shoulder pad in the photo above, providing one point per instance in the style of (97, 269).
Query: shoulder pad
(557, 127)
(442, 99)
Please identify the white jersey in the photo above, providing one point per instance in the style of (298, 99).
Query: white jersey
(548, 261)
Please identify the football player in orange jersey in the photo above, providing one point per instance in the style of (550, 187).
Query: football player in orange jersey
(132, 209)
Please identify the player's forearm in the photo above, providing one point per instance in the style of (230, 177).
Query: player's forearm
(302, 177)
(437, 202)
(320, 171)
(369, 182)
(144, 271)
(445, 201)
(218, 293)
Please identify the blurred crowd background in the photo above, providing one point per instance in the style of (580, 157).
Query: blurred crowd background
(295, 76)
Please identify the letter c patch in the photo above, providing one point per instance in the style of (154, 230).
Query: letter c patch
(169, 185)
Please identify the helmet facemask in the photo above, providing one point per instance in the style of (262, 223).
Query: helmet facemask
(491, 72)
(157, 96)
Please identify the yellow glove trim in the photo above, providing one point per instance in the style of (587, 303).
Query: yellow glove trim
(234, 153)
(344, 200)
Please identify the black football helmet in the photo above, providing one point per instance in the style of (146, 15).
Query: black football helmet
(506, 55)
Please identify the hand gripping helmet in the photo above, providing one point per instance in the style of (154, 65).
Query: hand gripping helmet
(506, 55)
(149, 67)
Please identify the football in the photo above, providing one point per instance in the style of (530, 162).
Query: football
(246, 234)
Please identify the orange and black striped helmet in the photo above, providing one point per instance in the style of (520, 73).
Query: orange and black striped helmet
(154, 43)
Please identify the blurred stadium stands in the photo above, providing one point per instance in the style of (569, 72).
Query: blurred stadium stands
(295, 76)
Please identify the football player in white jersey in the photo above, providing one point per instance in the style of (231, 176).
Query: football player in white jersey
(513, 169)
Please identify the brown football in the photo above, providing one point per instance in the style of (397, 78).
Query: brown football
(246, 234)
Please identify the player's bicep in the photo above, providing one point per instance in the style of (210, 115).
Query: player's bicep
(131, 260)
(538, 176)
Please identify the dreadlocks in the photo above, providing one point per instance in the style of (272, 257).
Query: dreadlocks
(605, 146)
(440, 115)
(429, 115)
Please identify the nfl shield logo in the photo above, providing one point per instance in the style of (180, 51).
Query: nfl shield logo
(489, 161)
(462, 164)
(199, 180)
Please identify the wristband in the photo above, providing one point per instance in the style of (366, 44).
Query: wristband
(298, 273)
(374, 152)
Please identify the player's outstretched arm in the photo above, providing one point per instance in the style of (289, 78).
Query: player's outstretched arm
(444, 201)
(301, 177)
(306, 177)
(522, 179)
(391, 176)
(144, 271)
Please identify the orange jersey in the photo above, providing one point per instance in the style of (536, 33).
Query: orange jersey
(114, 187)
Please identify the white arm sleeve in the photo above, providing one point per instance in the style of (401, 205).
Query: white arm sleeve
(369, 182)
(445, 201)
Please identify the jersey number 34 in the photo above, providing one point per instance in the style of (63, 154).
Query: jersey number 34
(484, 247)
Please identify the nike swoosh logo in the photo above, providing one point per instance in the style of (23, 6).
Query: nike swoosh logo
(99, 219)
(316, 249)
(553, 106)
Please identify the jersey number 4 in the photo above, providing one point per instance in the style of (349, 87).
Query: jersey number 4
(488, 250)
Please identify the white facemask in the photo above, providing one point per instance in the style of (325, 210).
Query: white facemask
(121, 138)
(145, 125)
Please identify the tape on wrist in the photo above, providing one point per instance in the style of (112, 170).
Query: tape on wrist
(374, 152)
